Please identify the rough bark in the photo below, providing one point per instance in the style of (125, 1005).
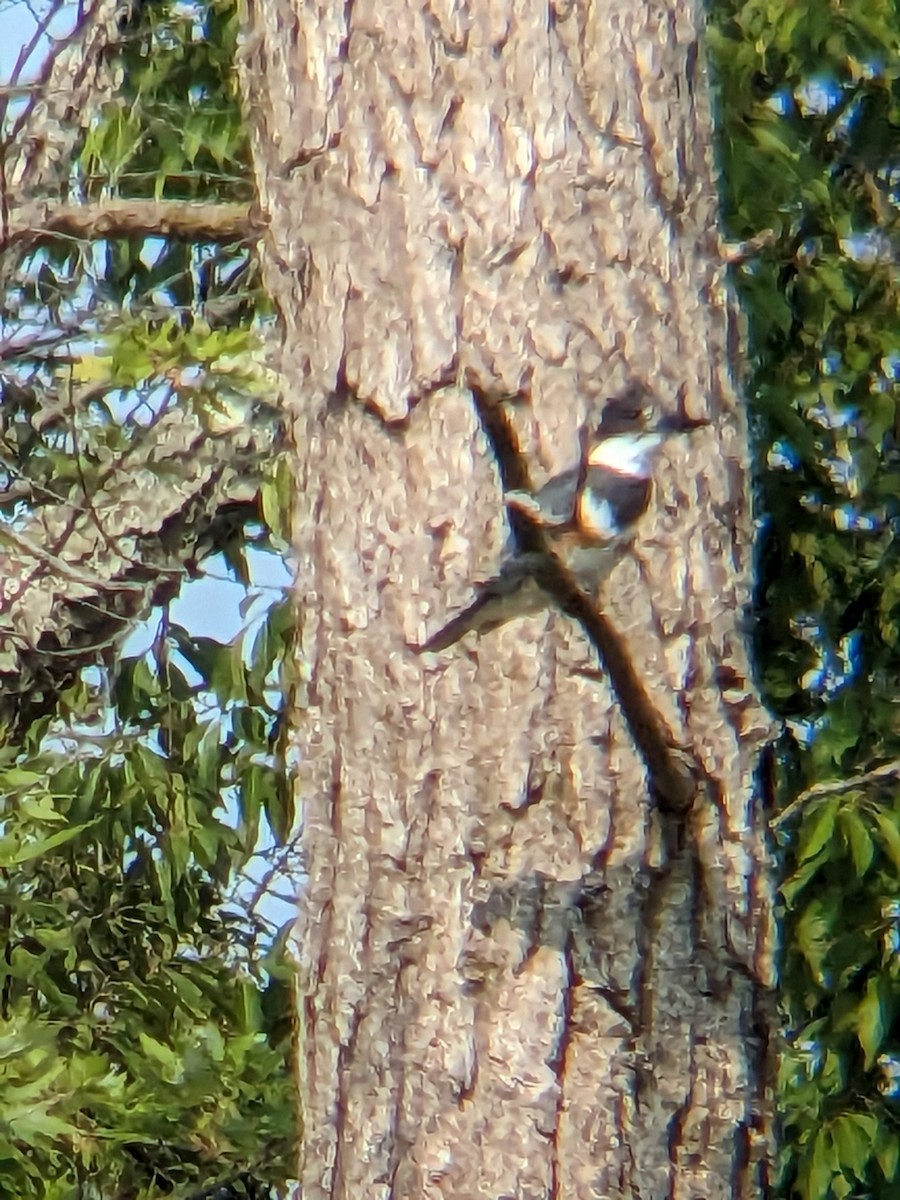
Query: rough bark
(129, 218)
(524, 975)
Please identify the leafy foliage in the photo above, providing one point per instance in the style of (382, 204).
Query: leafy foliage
(810, 134)
(174, 130)
(145, 815)
(137, 993)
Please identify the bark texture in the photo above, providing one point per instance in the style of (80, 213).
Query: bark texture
(523, 974)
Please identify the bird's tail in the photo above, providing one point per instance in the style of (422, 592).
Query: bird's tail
(515, 592)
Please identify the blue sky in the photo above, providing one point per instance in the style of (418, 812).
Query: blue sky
(210, 606)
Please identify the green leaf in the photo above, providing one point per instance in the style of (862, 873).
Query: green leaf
(858, 838)
(203, 653)
(178, 842)
(841, 1187)
(16, 777)
(771, 138)
(34, 1125)
(161, 1054)
(279, 804)
(817, 827)
(854, 1135)
(270, 504)
(792, 887)
(188, 993)
(40, 809)
(887, 823)
(887, 1151)
(228, 679)
(814, 932)
(821, 1167)
(871, 1021)
(31, 850)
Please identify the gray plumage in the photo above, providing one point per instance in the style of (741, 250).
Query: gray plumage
(588, 514)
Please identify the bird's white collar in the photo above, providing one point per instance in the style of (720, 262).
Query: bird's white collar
(626, 453)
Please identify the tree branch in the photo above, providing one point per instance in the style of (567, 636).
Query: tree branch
(125, 218)
(834, 787)
(674, 774)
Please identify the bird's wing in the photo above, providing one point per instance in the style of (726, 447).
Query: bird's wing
(554, 504)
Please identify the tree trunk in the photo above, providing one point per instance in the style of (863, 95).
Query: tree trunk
(536, 928)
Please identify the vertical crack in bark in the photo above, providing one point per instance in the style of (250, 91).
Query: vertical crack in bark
(398, 1084)
(557, 1063)
(699, 903)
(676, 1124)
(346, 1056)
(651, 906)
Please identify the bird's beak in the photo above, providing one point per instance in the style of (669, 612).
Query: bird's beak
(676, 423)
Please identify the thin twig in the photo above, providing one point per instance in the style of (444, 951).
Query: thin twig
(61, 567)
(834, 787)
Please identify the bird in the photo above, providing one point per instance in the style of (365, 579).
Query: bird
(588, 515)
(590, 512)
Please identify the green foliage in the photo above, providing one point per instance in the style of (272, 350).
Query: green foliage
(145, 813)
(173, 130)
(144, 1036)
(810, 129)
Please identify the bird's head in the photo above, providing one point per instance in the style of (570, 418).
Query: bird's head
(631, 428)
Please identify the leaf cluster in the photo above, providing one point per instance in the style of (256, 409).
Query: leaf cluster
(146, 819)
(144, 1011)
(173, 130)
(809, 137)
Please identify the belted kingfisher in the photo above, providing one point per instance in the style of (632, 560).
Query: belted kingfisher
(588, 514)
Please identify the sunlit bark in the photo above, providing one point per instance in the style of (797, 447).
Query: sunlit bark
(527, 972)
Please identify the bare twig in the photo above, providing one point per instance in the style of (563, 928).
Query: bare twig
(835, 787)
(61, 567)
(737, 252)
(42, 24)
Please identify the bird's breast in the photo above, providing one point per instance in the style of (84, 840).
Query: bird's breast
(598, 518)
(610, 504)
